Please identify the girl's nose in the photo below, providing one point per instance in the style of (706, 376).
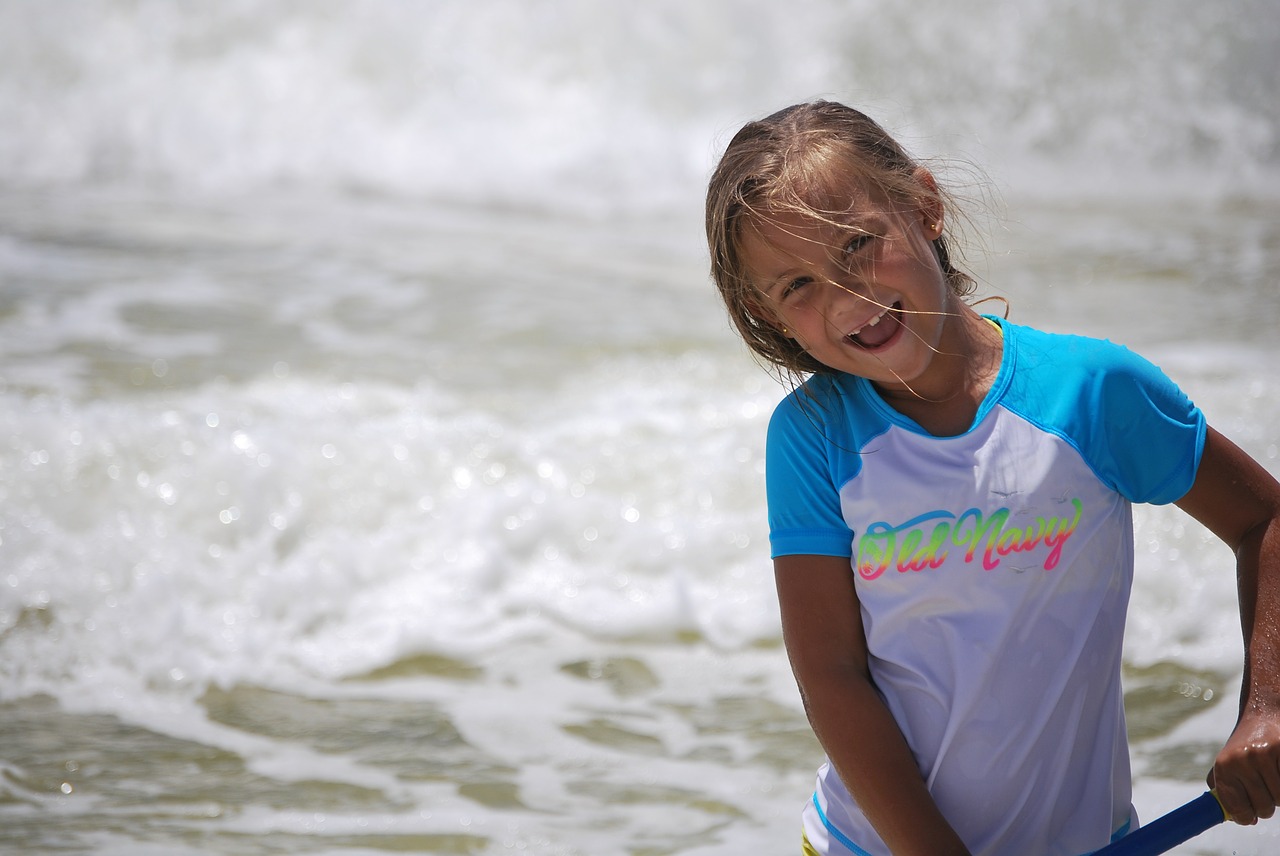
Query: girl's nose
(843, 288)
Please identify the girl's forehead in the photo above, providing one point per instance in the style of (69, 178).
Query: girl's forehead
(815, 213)
(778, 229)
(833, 194)
(832, 197)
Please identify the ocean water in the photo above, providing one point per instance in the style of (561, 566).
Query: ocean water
(379, 474)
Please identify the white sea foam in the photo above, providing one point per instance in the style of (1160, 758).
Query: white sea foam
(573, 102)
(375, 457)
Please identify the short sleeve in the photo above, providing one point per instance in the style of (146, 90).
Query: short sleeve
(804, 501)
(1139, 433)
(1152, 435)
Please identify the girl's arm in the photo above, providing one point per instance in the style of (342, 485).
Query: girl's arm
(822, 630)
(1240, 502)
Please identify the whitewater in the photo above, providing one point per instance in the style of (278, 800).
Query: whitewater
(379, 474)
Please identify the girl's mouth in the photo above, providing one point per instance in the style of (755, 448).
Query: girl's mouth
(879, 330)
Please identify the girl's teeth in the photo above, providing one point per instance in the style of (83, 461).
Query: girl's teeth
(873, 322)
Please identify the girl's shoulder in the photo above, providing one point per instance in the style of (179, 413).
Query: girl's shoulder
(1064, 349)
(835, 398)
(1136, 428)
(834, 406)
(1066, 367)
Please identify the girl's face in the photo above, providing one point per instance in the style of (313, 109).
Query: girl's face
(861, 291)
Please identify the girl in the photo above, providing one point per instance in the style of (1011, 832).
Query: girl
(949, 508)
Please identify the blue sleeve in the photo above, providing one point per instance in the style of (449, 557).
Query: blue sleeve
(804, 501)
(1153, 434)
(1141, 435)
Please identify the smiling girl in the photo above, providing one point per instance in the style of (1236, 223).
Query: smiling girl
(950, 515)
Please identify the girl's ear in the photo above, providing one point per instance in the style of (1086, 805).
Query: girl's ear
(930, 201)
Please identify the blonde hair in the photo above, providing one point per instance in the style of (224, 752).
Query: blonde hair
(782, 163)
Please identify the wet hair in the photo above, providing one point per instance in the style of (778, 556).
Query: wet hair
(790, 162)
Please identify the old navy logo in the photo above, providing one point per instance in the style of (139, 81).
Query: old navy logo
(926, 541)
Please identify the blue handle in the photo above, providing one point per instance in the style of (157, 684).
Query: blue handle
(1165, 833)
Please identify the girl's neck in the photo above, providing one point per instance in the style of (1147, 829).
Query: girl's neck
(946, 401)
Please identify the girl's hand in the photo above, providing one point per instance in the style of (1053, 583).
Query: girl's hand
(1247, 771)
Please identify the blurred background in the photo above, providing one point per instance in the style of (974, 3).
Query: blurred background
(379, 473)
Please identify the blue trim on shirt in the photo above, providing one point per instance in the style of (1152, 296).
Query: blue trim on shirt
(835, 833)
(858, 851)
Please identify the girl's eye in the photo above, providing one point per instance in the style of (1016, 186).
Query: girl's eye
(858, 242)
(793, 288)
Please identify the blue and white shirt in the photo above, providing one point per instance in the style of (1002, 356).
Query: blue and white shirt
(993, 570)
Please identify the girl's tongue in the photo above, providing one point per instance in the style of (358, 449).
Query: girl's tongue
(872, 337)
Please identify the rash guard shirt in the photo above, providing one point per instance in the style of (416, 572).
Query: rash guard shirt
(993, 570)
